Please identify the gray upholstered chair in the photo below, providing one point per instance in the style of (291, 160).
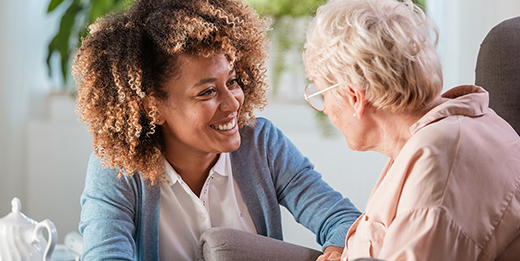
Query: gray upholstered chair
(219, 244)
(226, 244)
(498, 70)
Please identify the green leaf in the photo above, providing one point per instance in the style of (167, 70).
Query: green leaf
(284, 26)
(60, 42)
(279, 8)
(421, 4)
(73, 25)
(120, 5)
(53, 4)
(98, 8)
(50, 51)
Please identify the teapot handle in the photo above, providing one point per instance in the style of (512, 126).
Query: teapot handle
(53, 237)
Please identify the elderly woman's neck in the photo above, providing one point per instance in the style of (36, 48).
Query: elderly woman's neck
(394, 128)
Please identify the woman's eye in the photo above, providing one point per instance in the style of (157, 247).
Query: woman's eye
(207, 92)
(233, 84)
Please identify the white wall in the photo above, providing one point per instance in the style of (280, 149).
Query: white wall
(463, 24)
(3, 109)
(11, 124)
(57, 152)
(25, 31)
(42, 160)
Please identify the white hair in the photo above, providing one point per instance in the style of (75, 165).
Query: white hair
(379, 46)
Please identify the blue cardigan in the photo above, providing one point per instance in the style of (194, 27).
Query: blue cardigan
(120, 216)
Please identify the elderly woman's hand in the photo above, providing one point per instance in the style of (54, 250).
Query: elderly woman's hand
(331, 253)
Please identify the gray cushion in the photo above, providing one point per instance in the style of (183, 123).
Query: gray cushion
(218, 244)
(498, 70)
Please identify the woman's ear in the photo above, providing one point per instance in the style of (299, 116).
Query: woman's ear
(145, 106)
(357, 100)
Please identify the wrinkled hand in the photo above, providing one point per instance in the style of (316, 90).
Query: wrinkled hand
(331, 253)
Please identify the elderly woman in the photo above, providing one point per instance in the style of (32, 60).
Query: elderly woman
(168, 90)
(451, 187)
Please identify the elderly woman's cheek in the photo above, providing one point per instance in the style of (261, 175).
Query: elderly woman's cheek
(333, 110)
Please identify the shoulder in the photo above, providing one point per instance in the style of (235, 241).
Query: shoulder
(262, 144)
(96, 169)
(435, 144)
(425, 163)
(105, 184)
(434, 147)
(256, 127)
(100, 177)
(262, 135)
(260, 132)
(438, 136)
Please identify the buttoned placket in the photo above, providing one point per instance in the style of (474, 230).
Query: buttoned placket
(205, 191)
(200, 208)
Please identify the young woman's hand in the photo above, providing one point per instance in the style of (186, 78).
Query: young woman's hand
(331, 253)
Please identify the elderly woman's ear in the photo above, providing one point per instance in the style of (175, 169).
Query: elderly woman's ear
(356, 98)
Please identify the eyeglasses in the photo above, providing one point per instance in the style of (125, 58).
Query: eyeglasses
(316, 99)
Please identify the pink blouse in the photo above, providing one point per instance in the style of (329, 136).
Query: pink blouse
(453, 192)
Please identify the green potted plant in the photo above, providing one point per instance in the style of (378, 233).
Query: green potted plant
(73, 27)
(286, 15)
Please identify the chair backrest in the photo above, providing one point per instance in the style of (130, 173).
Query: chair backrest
(498, 70)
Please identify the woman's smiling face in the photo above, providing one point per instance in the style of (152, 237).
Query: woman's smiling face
(201, 113)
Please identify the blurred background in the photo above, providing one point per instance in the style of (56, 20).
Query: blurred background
(44, 149)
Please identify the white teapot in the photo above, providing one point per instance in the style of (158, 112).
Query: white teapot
(21, 238)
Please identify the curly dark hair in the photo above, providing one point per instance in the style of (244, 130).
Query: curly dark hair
(128, 57)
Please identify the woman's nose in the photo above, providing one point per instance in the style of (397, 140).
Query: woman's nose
(230, 100)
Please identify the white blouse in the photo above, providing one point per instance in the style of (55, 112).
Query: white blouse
(184, 216)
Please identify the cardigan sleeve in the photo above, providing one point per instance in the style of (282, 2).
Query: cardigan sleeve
(107, 215)
(301, 190)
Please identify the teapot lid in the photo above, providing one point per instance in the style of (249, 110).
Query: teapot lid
(17, 218)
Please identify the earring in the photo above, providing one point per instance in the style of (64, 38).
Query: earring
(354, 115)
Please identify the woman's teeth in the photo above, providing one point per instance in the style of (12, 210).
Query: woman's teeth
(225, 127)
